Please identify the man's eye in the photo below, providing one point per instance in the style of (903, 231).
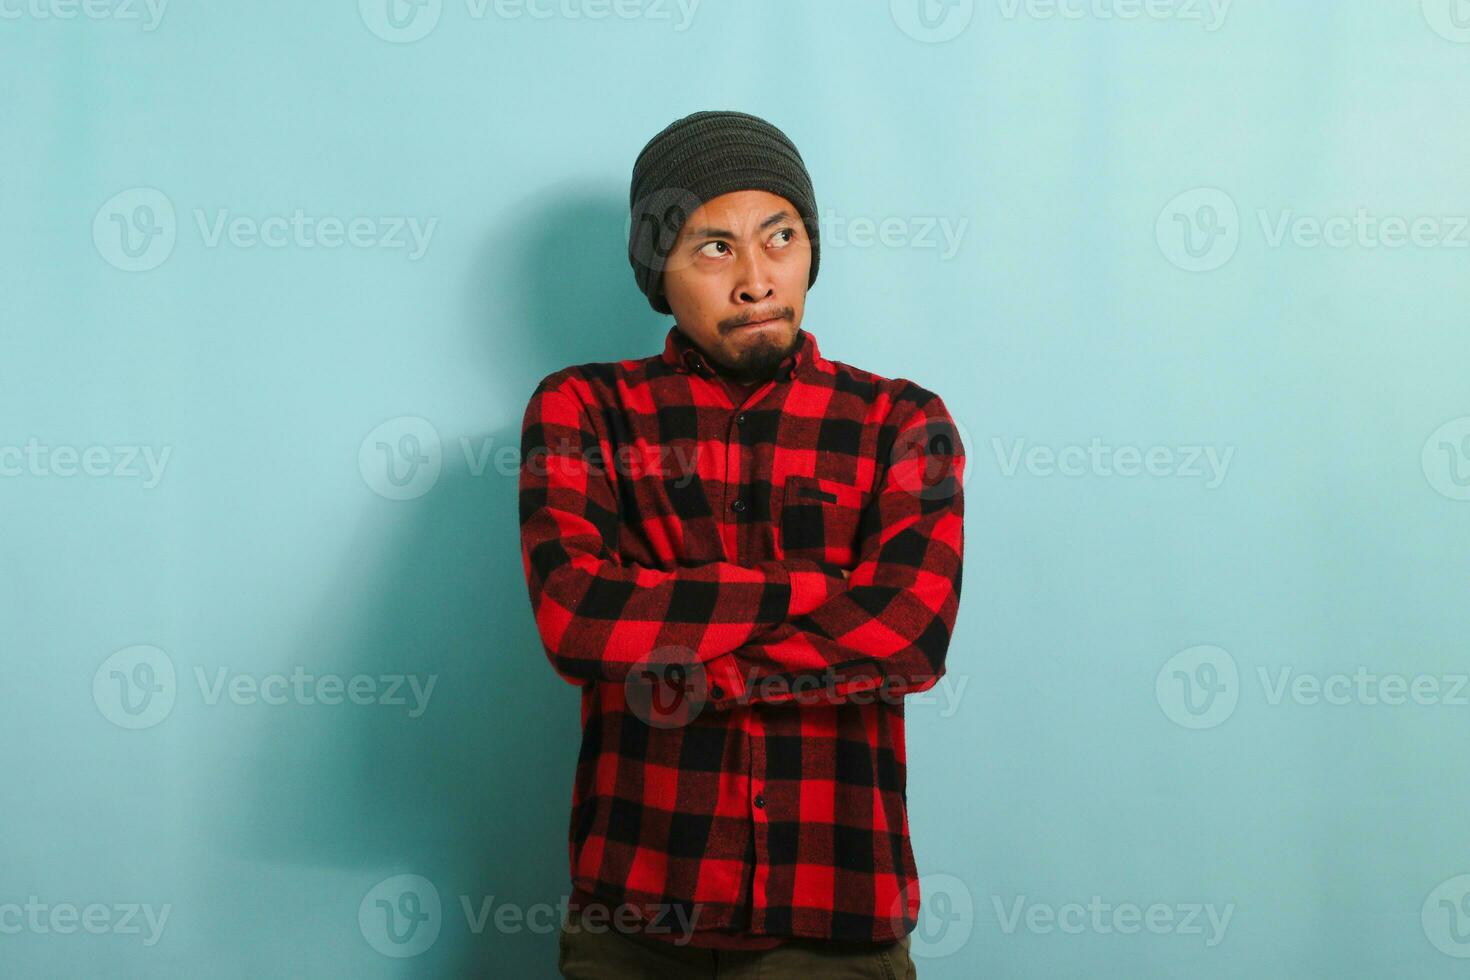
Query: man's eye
(708, 244)
(787, 231)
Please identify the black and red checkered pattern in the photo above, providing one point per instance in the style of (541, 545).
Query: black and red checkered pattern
(663, 523)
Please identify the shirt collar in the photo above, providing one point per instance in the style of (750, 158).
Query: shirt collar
(680, 354)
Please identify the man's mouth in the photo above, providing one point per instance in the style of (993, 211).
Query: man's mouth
(757, 324)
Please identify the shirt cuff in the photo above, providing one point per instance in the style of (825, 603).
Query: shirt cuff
(812, 583)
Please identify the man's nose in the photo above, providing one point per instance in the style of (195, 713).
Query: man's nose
(754, 282)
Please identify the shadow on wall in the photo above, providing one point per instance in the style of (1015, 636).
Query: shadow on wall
(475, 794)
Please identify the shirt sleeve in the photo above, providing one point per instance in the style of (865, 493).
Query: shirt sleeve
(598, 616)
(887, 633)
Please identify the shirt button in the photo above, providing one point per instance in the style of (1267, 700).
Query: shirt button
(740, 419)
(738, 506)
(760, 801)
(717, 691)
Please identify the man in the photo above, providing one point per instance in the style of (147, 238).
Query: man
(775, 539)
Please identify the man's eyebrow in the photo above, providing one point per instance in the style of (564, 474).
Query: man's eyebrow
(709, 232)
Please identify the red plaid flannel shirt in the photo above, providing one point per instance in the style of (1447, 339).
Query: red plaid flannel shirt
(672, 538)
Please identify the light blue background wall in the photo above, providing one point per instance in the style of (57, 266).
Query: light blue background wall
(1132, 202)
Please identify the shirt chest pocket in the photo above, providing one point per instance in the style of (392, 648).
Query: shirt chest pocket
(818, 520)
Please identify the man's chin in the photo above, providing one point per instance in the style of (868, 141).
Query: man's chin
(759, 356)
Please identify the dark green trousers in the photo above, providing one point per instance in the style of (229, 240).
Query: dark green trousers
(600, 951)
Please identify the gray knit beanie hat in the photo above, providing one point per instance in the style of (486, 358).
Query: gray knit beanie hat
(700, 157)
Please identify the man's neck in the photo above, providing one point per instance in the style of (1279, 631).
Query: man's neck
(743, 380)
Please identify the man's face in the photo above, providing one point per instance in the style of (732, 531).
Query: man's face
(736, 281)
